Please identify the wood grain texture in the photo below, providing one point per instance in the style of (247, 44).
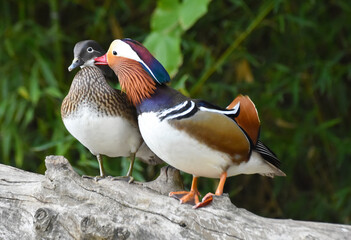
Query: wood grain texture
(63, 205)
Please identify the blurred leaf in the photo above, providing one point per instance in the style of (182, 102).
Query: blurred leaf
(53, 92)
(47, 145)
(243, 71)
(19, 152)
(328, 124)
(46, 70)
(300, 21)
(22, 91)
(34, 89)
(165, 17)
(6, 137)
(180, 85)
(190, 11)
(169, 46)
(169, 20)
(9, 48)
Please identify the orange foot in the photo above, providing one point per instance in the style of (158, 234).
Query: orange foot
(191, 197)
(207, 199)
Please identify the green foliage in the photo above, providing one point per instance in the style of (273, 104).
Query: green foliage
(169, 21)
(291, 57)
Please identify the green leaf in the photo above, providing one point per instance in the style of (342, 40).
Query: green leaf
(28, 116)
(54, 92)
(46, 70)
(19, 154)
(48, 145)
(20, 110)
(9, 48)
(23, 92)
(328, 124)
(34, 89)
(190, 11)
(6, 138)
(165, 17)
(166, 49)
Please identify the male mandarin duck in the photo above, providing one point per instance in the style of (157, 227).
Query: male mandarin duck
(99, 116)
(194, 136)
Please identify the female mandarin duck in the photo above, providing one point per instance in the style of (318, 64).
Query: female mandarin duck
(191, 135)
(99, 116)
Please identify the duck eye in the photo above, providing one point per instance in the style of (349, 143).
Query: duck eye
(114, 53)
(90, 49)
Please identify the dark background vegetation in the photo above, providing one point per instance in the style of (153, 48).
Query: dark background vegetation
(291, 57)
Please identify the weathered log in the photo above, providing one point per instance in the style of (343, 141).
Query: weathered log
(63, 205)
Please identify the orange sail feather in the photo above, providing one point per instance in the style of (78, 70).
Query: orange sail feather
(248, 118)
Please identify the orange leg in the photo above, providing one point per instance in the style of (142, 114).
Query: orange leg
(220, 187)
(191, 197)
(207, 199)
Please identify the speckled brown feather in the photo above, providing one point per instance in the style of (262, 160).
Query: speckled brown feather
(221, 134)
(90, 87)
(248, 117)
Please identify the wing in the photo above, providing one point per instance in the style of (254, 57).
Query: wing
(232, 113)
(249, 121)
(219, 132)
(270, 157)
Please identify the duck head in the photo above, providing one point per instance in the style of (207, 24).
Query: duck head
(84, 54)
(137, 70)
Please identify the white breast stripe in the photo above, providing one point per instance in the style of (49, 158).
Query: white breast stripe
(182, 113)
(232, 111)
(176, 108)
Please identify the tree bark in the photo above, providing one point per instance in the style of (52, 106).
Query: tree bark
(63, 205)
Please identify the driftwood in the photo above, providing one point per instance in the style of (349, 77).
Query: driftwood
(63, 205)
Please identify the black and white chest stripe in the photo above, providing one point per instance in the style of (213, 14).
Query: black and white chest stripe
(183, 110)
(189, 108)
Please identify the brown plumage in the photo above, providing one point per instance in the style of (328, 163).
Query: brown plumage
(143, 85)
(90, 86)
(248, 117)
(103, 119)
(224, 136)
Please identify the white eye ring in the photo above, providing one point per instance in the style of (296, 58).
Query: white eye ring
(114, 53)
(90, 49)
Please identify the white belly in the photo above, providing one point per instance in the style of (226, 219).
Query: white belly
(185, 153)
(110, 136)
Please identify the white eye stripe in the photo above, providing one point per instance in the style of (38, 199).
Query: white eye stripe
(125, 50)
